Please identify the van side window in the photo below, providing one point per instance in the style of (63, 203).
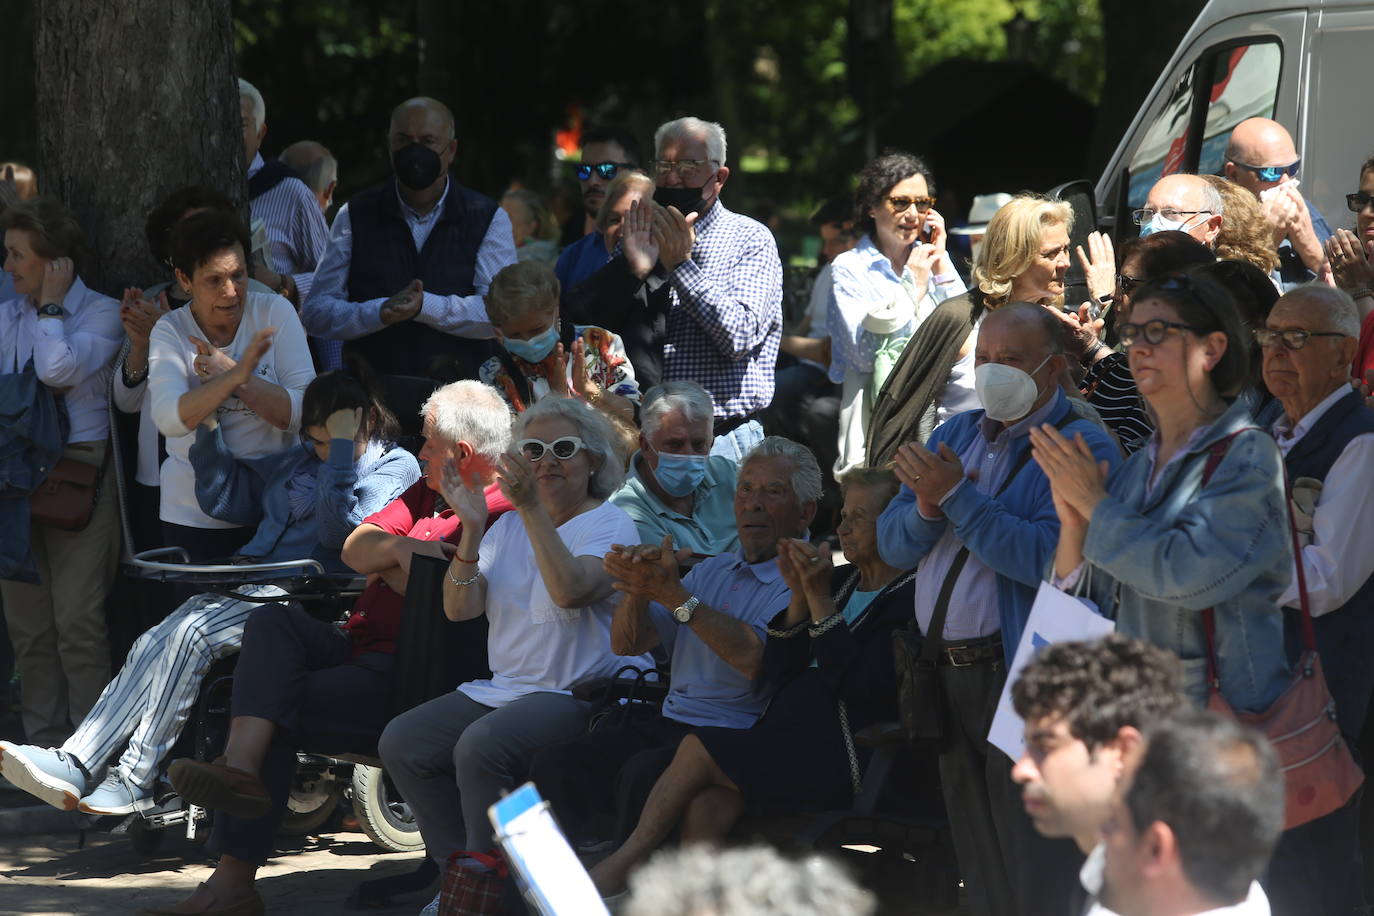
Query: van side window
(1162, 147)
(1245, 84)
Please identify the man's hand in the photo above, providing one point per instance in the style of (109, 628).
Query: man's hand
(1099, 265)
(1280, 211)
(57, 279)
(929, 475)
(647, 571)
(465, 498)
(674, 234)
(637, 238)
(405, 305)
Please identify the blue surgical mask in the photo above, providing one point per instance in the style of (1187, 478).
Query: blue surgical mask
(680, 474)
(536, 348)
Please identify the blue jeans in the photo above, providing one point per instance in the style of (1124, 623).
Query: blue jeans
(737, 443)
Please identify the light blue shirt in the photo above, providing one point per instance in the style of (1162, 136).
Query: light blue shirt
(705, 690)
(710, 529)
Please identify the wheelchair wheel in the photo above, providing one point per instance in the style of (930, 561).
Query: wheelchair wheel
(308, 808)
(382, 814)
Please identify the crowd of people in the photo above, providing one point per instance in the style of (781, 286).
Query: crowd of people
(625, 457)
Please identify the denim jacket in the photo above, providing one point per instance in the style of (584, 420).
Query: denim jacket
(1161, 559)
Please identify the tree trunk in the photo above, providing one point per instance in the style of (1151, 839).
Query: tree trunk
(17, 133)
(135, 99)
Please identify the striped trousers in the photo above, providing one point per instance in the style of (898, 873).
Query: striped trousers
(149, 700)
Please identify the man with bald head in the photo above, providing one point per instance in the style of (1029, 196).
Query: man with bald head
(1326, 434)
(412, 257)
(976, 514)
(317, 167)
(1261, 157)
(1184, 202)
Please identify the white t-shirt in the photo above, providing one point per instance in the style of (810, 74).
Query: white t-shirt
(532, 645)
(171, 373)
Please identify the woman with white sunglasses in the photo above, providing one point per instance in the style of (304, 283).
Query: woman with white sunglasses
(537, 576)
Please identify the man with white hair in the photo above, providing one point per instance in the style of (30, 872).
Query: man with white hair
(720, 277)
(1261, 157)
(296, 231)
(675, 487)
(410, 260)
(1326, 434)
(711, 623)
(317, 167)
(1184, 202)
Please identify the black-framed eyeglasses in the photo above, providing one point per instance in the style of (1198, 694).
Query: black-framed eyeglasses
(1358, 201)
(1293, 338)
(683, 167)
(1271, 173)
(563, 448)
(604, 170)
(899, 205)
(1145, 214)
(1127, 283)
(1153, 331)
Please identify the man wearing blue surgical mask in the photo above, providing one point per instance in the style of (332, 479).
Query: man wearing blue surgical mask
(675, 487)
(1183, 202)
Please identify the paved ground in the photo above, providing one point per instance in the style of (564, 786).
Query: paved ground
(52, 874)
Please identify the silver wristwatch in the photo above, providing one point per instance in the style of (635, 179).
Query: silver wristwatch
(683, 614)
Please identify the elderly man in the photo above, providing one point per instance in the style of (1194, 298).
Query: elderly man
(1261, 157)
(412, 257)
(1196, 826)
(304, 683)
(675, 487)
(1326, 434)
(296, 231)
(711, 623)
(1184, 202)
(317, 167)
(978, 517)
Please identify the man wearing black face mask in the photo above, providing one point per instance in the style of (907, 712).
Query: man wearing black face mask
(701, 280)
(413, 256)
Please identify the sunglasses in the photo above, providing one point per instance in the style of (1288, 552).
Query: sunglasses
(899, 205)
(563, 448)
(1293, 339)
(1153, 331)
(1358, 201)
(1270, 173)
(604, 170)
(1126, 283)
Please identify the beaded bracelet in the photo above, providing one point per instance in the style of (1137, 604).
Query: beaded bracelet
(462, 582)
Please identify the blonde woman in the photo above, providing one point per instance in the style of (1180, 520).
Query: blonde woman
(1023, 258)
(1244, 236)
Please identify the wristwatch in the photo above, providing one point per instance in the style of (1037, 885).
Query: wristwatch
(683, 614)
(51, 310)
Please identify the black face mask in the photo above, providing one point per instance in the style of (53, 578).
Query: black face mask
(687, 200)
(416, 166)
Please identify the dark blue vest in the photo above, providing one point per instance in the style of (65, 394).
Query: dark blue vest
(385, 260)
(1345, 636)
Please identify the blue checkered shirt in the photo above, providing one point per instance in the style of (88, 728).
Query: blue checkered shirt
(725, 318)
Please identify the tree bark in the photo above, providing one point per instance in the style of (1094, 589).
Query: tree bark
(135, 99)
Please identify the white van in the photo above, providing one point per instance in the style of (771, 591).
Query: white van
(1304, 66)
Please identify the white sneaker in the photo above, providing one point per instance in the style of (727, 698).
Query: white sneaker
(116, 796)
(431, 908)
(44, 773)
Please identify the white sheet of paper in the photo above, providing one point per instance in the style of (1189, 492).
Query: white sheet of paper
(538, 852)
(1055, 617)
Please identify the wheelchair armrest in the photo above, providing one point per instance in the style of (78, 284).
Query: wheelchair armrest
(880, 734)
(143, 560)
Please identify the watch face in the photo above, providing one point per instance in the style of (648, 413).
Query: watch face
(682, 614)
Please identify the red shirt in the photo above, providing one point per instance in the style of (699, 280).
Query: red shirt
(376, 619)
(1364, 356)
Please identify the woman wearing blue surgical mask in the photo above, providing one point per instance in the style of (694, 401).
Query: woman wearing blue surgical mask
(536, 347)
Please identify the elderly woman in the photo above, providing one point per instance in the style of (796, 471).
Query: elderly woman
(56, 579)
(1244, 235)
(883, 289)
(304, 501)
(1023, 258)
(532, 225)
(1158, 546)
(537, 575)
(829, 659)
(231, 355)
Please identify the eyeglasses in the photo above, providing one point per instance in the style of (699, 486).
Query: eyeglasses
(1154, 331)
(1271, 173)
(563, 448)
(1293, 339)
(1145, 214)
(1358, 201)
(683, 167)
(604, 170)
(1126, 283)
(899, 205)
